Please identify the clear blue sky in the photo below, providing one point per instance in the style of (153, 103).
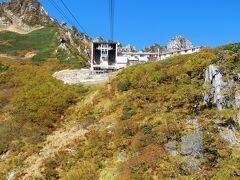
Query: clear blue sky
(143, 22)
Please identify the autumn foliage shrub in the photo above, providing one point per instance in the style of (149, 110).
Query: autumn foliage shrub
(8, 130)
(35, 96)
(42, 101)
(83, 170)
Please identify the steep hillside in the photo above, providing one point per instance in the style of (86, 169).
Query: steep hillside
(32, 104)
(158, 124)
(29, 19)
(172, 119)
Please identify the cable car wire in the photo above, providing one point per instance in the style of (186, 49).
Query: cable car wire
(111, 18)
(55, 5)
(83, 29)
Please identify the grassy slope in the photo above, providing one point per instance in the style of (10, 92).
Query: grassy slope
(146, 106)
(31, 105)
(42, 41)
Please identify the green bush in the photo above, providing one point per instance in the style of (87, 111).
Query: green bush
(143, 142)
(127, 114)
(3, 68)
(130, 132)
(63, 58)
(123, 86)
(232, 47)
(42, 41)
(147, 129)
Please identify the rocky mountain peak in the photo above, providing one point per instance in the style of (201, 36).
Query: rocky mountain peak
(23, 14)
(179, 42)
(99, 39)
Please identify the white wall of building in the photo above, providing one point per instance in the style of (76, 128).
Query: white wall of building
(121, 62)
(180, 52)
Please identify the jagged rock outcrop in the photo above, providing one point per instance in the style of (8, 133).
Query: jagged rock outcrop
(73, 41)
(217, 91)
(228, 134)
(237, 103)
(171, 147)
(217, 94)
(191, 147)
(122, 156)
(238, 118)
(237, 99)
(178, 43)
(214, 85)
(99, 39)
(11, 175)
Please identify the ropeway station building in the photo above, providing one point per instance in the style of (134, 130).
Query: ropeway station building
(105, 56)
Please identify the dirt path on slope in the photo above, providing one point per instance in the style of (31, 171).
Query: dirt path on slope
(6, 56)
(59, 140)
(28, 55)
(17, 29)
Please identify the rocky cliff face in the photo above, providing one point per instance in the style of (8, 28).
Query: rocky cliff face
(176, 43)
(73, 42)
(24, 14)
(215, 84)
(223, 94)
(179, 42)
(219, 91)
